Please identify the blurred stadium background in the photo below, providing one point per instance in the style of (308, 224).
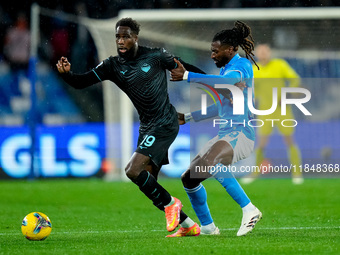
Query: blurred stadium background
(93, 132)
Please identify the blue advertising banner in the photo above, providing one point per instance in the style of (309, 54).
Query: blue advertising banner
(79, 150)
(61, 151)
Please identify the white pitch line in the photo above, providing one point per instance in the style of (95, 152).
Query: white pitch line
(162, 230)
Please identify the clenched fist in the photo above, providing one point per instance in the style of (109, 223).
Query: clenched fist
(63, 65)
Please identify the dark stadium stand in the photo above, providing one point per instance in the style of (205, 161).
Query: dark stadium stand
(52, 99)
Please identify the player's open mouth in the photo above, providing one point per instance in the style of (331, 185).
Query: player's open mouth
(122, 50)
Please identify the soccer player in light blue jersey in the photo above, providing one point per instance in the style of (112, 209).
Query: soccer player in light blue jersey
(232, 143)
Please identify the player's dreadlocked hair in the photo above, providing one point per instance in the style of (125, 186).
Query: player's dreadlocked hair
(239, 35)
(128, 22)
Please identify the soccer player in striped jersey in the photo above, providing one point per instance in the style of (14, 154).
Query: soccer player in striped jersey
(141, 73)
(274, 73)
(232, 143)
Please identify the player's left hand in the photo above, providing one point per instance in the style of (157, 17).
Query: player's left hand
(180, 117)
(226, 92)
(177, 73)
(241, 85)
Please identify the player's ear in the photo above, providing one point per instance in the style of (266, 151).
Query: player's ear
(228, 49)
(231, 49)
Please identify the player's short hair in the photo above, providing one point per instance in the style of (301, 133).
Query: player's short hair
(239, 35)
(128, 22)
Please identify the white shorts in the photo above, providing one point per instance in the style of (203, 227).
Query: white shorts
(242, 145)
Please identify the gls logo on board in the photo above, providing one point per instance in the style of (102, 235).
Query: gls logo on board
(78, 155)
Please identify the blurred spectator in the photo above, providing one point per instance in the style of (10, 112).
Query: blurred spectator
(17, 52)
(17, 44)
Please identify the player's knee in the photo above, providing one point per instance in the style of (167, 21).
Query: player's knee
(203, 161)
(224, 159)
(206, 161)
(188, 182)
(131, 172)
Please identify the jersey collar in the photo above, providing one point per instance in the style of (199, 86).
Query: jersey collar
(233, 60)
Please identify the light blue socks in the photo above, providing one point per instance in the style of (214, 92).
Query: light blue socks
(198, 199)
(231, 185)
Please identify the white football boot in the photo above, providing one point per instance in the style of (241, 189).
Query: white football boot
(210, 229)
(249, 220)
(216, 231)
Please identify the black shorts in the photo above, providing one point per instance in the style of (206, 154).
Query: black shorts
(155, 143)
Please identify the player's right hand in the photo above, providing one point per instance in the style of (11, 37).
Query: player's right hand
(177, 73)
(63, 65)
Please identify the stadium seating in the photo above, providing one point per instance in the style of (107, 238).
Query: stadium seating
(53, 104)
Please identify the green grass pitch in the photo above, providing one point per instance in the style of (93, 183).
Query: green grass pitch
(90, 216)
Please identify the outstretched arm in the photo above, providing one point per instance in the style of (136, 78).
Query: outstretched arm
(181, 73)
(191, 68)
(78, 81)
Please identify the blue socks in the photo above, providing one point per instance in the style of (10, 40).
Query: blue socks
(198, 199)
(198, 196)
(231, 185)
